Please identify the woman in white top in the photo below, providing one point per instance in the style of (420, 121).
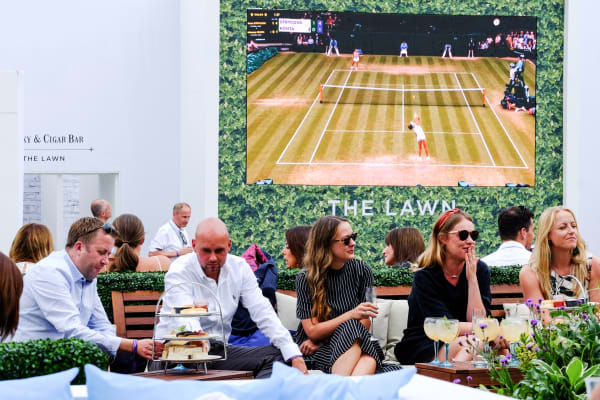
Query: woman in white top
(421, 139)
(31, 243)
(129, 244)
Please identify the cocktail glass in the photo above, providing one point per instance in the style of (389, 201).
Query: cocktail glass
(485, 329)
(447, 330)
(430, 327)
(512, 328)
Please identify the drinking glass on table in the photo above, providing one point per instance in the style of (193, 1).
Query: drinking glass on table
(447, 330)
(512, 327)
(431, 330)
(485, 329)
(371, 297)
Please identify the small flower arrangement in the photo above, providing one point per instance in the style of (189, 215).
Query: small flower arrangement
(555, 357)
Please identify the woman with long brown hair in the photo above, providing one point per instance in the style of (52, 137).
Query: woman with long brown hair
(128, 243)
(403, 246)
(295, 246)
(334, 329)
(31, 243)
(450, 282)
(11, 287)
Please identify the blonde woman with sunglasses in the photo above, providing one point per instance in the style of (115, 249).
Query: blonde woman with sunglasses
(450, 282)
(335, 317)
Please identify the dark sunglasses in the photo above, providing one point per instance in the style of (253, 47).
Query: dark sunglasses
(107, 227)
(464, 234)
(347, 240)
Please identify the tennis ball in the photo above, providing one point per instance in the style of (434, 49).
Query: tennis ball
(410, 126)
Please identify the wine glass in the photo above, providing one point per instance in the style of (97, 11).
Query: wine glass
(430, 327)
(485, 329)
(371, 297)
(447, 330)
(512, 327)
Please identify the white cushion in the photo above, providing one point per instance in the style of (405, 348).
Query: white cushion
(381, 322)
(521, 310)
(396, 325)
(286, 311)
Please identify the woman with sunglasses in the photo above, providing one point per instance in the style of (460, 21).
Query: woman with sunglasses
(451, 282)
(559, 260)
(334, 331)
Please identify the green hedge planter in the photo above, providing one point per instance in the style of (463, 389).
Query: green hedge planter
(44, 356)
(384, 276)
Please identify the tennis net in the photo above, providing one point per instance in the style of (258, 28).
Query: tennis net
(457, 96)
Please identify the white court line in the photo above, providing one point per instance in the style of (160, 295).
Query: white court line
(501, 124)
(374, 131)
(402, 106)
(476, 124)
(366, 164)
(302, 122)
(328, 120)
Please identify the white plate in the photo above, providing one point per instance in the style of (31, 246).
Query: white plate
(174, 337)
(172, 314)
(209, 357)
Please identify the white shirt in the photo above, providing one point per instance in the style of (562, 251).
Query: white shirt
(58, 302)
(170, 238)
(419, 132)
(236, 282)
(510, 252)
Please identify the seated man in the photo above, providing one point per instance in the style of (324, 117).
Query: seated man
(60, 299)
(172, 239)
(515, 225)
(232, 280)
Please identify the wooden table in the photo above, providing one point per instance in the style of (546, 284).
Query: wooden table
(462, 369)
(195, 375)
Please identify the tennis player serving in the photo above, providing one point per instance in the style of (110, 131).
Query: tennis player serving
(355, 60)
(415, 124)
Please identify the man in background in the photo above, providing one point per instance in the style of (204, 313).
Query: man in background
(172, 239)
(101, 209)
(515, 225)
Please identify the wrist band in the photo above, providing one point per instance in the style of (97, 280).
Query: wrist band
(176, 252)
(133, 364)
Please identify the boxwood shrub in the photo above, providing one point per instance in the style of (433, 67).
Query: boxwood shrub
(44, 356)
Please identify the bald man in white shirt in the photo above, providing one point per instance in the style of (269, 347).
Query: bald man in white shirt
(232, 279)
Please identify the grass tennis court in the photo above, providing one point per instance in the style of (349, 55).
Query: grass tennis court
(360, 136)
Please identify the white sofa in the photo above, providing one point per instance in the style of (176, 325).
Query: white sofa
(388, 326)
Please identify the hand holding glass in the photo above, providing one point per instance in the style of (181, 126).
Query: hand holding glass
(371, 297)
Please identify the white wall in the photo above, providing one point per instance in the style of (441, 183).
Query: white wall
(11, 156)
(581, 117)
(107, 71)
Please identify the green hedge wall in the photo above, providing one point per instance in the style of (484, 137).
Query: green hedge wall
(261, 213)
(44, 356)
(286, 279)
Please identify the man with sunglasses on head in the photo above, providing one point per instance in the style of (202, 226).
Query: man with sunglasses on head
(60, 298)
(172, 239)
(515, 225)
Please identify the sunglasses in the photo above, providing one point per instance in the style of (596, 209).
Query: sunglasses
(464, 234)
(347, 240)
(107, 227)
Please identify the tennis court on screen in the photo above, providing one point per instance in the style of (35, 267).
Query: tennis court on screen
(337, 124)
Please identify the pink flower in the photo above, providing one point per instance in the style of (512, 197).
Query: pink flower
(457, 380)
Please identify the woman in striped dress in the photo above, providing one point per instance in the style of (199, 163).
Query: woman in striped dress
(334, 331)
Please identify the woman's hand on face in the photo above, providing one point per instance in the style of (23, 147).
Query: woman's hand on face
(364, 311)
(471, 263)
(308, 347)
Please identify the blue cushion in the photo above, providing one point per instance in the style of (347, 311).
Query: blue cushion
(324, 386)
(102, 385)
(53, 386)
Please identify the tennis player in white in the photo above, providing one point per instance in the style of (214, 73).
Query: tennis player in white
(355, 59)
(421, 139)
